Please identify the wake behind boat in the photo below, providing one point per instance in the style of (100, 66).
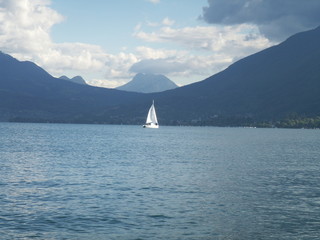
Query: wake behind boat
(152, 121)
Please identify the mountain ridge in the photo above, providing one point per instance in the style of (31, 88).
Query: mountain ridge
(279, 83)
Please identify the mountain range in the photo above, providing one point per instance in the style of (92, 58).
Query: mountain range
(148, 83)
(278, 83)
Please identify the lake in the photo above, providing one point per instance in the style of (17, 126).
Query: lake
(65, 181)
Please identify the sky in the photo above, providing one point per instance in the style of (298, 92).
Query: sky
(108, 42)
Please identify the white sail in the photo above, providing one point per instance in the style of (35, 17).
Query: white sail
(152, 116)
(152, 121)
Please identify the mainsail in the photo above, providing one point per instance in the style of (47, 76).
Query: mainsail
(152, 121)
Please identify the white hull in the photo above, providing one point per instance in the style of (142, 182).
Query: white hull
(150, 126)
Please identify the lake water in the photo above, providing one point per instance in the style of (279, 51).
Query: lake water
(64, 181)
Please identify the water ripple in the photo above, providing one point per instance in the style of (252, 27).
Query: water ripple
(122, 182)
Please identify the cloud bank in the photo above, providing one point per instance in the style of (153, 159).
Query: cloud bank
(166, 46)
(212, 38)
(207, 49)
(276, 20)
(158, 66)
(25, 33)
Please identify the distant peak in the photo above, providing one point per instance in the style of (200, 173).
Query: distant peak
(76, 79)
(148, 82)
(63, 77)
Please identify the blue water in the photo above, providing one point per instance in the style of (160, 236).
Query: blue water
(63, 181)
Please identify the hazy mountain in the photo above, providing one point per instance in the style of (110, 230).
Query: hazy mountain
(148, 83)
(279, 82)
(76, 79)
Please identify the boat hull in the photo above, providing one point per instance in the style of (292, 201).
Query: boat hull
(150, 126)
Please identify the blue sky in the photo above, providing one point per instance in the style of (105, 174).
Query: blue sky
(108, 42)
(111, 24)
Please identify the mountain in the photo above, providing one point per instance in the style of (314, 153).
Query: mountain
(148, 83)
(280, 82)
(28, 93)
(76, 79)
(277, 86)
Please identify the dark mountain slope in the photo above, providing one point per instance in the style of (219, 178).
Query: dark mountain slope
(28, 92)
(271, 84)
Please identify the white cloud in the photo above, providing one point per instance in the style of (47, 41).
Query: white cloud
(137, 27)
(153, 24)
(25, 25)
(150, 53)
(117, 66)
(167, 21)
(25, 33)
(199, 51)
(182, 65)
(210, 38)
(106, 83)
(153, 1)
(205, 49)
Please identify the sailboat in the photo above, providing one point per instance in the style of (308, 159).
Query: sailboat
(151, 121)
